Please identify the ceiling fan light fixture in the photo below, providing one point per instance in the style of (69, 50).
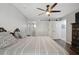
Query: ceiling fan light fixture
(34, 25)
(48, 13)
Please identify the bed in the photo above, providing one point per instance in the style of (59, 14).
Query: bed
(40, 45)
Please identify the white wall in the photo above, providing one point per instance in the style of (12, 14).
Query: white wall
(42, 28)
(63, 29)
(70, 19)
(55, 29)
(10, 17)
(51, 28)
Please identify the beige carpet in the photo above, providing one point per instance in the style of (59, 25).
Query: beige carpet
(42, 45)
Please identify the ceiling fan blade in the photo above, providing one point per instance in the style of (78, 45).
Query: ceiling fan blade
(53, 5)
(41, 9)
(43, 20)
(56, 11)
(41, 13)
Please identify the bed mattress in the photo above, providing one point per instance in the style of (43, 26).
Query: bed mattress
(34, 46)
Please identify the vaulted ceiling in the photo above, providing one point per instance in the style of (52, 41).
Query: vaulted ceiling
(29, 10)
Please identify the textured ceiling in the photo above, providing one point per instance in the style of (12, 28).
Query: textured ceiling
(30, 11)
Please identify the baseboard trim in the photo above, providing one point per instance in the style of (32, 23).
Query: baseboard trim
(68, 42)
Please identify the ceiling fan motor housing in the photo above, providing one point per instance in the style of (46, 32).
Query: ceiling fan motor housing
(47, 6)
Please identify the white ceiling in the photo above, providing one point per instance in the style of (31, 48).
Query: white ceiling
(30, 11)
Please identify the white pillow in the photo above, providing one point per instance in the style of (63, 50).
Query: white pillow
(6, 39)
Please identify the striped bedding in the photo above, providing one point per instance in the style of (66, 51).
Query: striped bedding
(34, 46)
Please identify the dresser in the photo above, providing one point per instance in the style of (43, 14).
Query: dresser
(75, 37)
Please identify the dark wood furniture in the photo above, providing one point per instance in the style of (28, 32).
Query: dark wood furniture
(77, 17)
(75, 37)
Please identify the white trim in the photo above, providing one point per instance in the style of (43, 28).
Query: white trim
(68, 42)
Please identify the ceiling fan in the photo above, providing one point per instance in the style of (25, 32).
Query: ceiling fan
(49, 9)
